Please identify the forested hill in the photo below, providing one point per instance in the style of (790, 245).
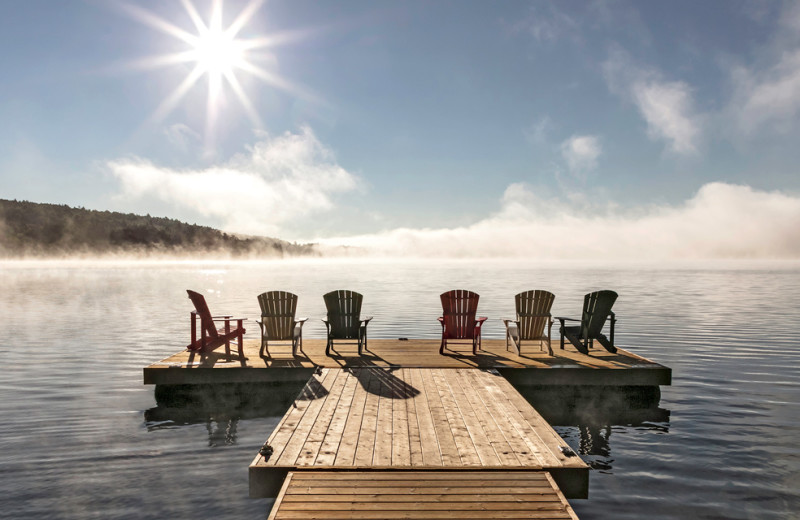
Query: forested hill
(29, 229)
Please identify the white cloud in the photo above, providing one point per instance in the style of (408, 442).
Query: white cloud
(182, 136)
(666, 106)
(581, 153)
(278, 180)
(719, 221)
(769, 97)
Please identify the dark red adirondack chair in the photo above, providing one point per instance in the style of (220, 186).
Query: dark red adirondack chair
(458, 320)
(210, 336)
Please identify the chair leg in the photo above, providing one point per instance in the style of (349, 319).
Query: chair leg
(328, 348)
(441, 348)
(240, 341)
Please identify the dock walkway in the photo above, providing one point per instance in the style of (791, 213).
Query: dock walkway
(414, 419)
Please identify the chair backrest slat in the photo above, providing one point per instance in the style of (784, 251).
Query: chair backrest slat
(459, 308)
(200, 305)
(277, 314)
(596, 309)
(344, 313)
(533, 310)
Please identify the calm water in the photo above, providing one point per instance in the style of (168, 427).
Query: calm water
(81, 437)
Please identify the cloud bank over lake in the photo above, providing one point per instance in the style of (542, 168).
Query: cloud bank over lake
(720, 221)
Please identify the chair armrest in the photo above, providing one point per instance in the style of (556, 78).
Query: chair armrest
(508, 321)
(441, 320)
(562, 319)
(227, 318)
(299, 322)
(222, 316)
(366, 320)
(479, 321)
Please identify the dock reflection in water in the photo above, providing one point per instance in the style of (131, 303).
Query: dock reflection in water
(586, 416)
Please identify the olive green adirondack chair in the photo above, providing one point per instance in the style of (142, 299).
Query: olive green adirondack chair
(344, 318)
(533, 314)
(596, 310)
(278, 322)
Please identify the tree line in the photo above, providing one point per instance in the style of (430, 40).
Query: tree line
(29, 229)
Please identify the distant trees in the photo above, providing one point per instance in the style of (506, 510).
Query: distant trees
(33, 229)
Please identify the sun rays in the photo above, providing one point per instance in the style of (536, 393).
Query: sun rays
(218, 54)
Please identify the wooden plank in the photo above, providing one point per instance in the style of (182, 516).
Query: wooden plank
(308, 454)
(505, 452)
(334, 436)
(366, 437)
(476, 431)
(429, 443)
(440, 494)
(383, 429)
(290, 422)
(401, 449)
(294, 446)
(346, 453)
(444, 434)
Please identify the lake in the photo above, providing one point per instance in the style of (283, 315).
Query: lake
(82, 437)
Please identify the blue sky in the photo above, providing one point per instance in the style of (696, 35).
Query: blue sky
(470, 128)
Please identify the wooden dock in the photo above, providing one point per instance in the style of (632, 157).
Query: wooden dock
(379, 495)
(532, 367)
(413, 419)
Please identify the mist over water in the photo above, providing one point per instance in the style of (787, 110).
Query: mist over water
(81, 436)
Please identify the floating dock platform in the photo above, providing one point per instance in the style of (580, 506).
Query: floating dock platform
(402, 431)
(532, 367)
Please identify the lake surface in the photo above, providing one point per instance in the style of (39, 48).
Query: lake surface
(82, 437)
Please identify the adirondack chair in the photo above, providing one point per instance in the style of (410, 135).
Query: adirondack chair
(533, 313)
(458, 318)
(278, 322)
(210, 336)
(344, 319)
(596, 310)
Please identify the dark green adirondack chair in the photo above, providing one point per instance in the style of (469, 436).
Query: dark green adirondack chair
(533, 314)
(344, 319)
(278, 322)
(596, 310)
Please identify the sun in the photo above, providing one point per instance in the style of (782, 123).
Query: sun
(216, 53)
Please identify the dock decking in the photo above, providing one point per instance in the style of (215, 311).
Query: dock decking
(379, 495)
(534, 367)
(414, 419)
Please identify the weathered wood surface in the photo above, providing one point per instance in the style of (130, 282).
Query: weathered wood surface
(411, 418)
(420, 494)
(567, 366)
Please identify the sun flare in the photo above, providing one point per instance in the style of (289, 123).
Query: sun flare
(218, 54)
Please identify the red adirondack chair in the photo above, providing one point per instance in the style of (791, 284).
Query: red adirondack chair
(210, 336)
(458, 318)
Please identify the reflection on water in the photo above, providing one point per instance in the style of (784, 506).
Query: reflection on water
(82, 437)
(585, 417)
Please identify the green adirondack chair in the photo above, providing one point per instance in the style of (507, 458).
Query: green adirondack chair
(533, 314)
(344, 319)
(278, 322)
(596, 310)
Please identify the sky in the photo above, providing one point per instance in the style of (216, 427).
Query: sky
(598, 129)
